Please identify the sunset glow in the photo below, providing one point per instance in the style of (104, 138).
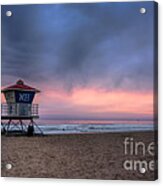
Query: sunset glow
(92, 101)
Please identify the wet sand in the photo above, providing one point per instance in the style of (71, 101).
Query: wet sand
(78, 156)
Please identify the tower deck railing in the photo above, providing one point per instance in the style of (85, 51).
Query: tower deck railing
(19, 110)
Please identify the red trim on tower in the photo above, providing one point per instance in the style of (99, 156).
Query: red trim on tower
(21, 87)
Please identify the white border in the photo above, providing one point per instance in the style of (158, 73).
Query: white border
(62, 1)
(63, 182)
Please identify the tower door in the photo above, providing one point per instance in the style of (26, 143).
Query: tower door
(24, 109)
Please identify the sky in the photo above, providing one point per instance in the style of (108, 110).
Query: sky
(90, 61)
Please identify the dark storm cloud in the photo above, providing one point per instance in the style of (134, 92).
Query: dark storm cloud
(108, 45)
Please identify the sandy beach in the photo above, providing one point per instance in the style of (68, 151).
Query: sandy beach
(78, 156)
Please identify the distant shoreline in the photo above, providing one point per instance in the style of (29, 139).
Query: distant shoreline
(50, 129)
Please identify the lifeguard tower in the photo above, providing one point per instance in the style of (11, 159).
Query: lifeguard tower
(19, 111)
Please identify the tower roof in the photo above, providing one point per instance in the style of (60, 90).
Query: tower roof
(21, 87)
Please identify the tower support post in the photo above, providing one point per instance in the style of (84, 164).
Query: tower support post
(22, 127)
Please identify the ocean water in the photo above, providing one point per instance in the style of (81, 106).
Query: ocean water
(90, 126)
(95, 126)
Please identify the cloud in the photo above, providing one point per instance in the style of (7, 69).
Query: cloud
(104, 45)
